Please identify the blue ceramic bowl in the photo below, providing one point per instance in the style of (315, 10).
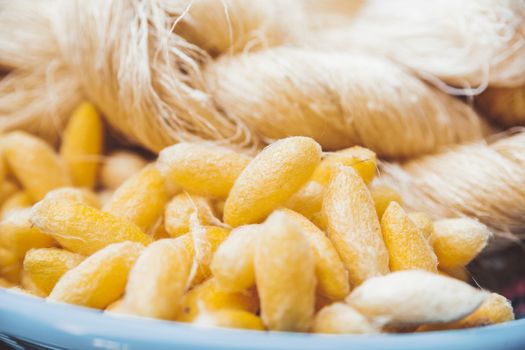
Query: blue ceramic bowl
(34, 321)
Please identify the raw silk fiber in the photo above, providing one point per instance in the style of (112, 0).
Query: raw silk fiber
(150, 67)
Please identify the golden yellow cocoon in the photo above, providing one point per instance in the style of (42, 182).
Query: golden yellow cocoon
(35, 164)
(18, 200)
(340, 318)
(12, 272)
(230, 318)
(332, 277)
(208, 296)
(100, 279)
(82, 145)
(495, 309)
(204, 169)
(307, 201)
(382, 196)
(80, 195)
(158, 280)
(27, 283)
(458, 241)
(179, 210)
(285, 275)
(45, 266)
(120, 166)
(353, 227)
(424, 223)
(18, 235)
(5, 283)
(363, 160)
(408, 249)
(415, 297)
(202, 242)
(83, 229)
(232, 264)
(7, 188)
(140, 199)
(272, 177)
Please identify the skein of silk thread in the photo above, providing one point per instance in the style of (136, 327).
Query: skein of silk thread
(481, 180)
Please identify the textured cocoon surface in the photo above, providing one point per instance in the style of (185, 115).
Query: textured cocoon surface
(458, 241)
(272, 177)
(100, 279)
(285, 275)
(158, 280)
(415, 297)
(353, 227)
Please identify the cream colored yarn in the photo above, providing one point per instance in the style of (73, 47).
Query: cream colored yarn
(157, 88)
(462, 43)
(482, 180)
(233, 26)
(340, 100)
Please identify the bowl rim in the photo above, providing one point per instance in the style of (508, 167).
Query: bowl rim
(60, 325)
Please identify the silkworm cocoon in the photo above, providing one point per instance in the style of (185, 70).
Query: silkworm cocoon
(140, 199)
(424, 223)
(272, 177)
(204, 169)
(82, 145)
(382, 196)
(45, 266)
(29, 285)
(12, 272)
(415, 297)
(308, 200)
(232, 264)
(16, 201)
(100, 279)
(35, 164)
(408, 249)
(495, 309)
(158, 280)
(7, 188)
(80, 195)
(353, 227)
(458, 241)
(179, 210)
(285, 275)
(120, 166)
(363, 160)
(340, 318)
(230, 319)
(202, 242)
(332, 277)
(208, 296)
(83, 229)
(18, 235)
